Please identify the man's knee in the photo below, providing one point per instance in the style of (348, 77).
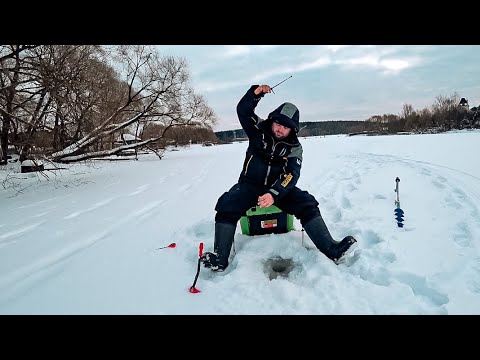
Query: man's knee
(228, 210)
(308, 213)
(227, 218)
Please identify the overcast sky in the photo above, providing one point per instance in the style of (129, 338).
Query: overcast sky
(331, 82)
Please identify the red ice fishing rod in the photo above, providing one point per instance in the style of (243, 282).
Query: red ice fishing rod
(193, 289)
(398, 211)
(171, 246)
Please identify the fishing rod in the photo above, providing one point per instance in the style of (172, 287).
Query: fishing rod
(192, 288)
(280, 83)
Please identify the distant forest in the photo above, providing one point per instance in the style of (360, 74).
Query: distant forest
(309, 129)
(447, 113)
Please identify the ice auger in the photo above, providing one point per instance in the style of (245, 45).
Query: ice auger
(398, 211)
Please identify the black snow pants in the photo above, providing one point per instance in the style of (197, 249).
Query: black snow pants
(234, 203)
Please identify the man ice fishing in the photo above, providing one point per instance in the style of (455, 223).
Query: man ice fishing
(269, 176)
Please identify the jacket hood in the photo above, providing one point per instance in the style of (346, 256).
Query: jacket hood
(287, 115)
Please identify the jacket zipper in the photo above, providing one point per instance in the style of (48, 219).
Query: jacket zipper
(248, 163)
(270, 163)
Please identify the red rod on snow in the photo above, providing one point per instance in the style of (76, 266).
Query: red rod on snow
(193, 289)
(172, 245)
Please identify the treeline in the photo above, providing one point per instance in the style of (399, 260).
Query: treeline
(447, 113)
(73, 102)
(311, 128)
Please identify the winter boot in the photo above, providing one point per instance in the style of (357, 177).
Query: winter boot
(342, 249)
(320, 236)
(218, 260)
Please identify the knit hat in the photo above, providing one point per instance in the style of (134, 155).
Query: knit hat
(287, 115)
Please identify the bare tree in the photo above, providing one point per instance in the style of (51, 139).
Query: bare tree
(407, 111)
(444, 108)
(425, 118)
(15, 76)
(77, 83)
(156, 90)
(410, 116)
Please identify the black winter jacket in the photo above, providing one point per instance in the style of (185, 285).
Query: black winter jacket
(270, 162)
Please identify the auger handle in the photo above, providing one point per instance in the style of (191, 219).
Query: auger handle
(397, 180)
